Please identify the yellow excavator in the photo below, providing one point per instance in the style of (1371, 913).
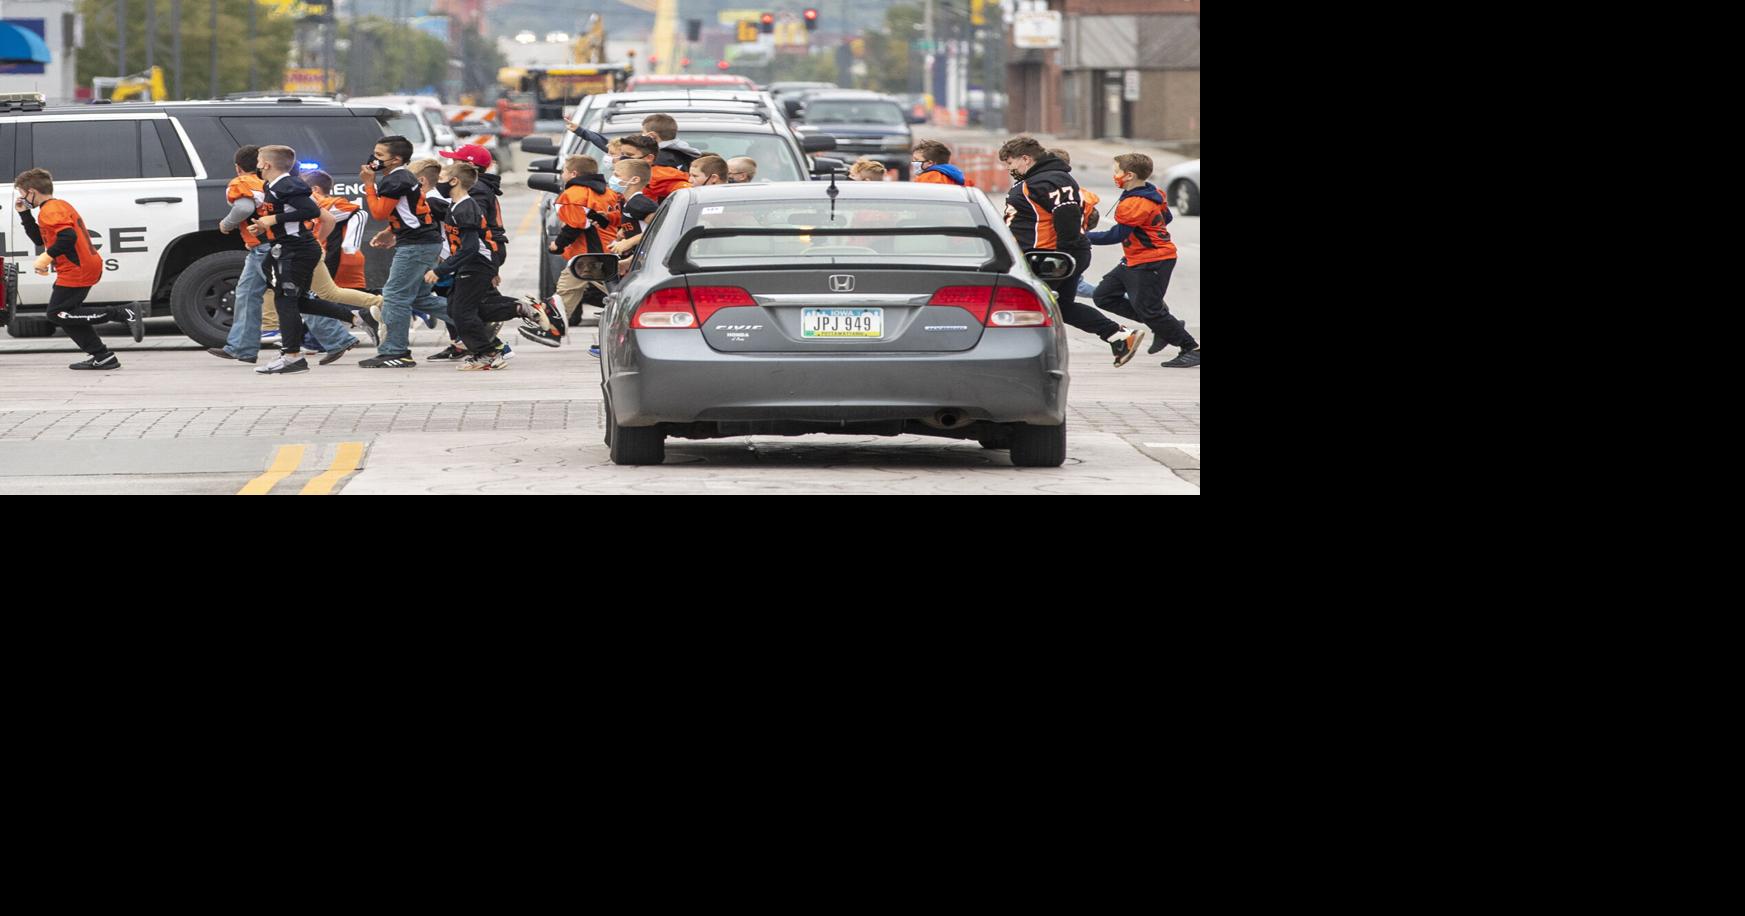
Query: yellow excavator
(146, 86)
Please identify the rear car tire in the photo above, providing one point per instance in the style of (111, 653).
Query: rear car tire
(23, 326)
(1184, 196)
(198, 298)
(1038, 446)
(634, 444)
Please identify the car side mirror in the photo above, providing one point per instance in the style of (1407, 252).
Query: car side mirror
(824, 166)
(1051, 265)
(544, 181)
(548, 164)
(817, 143)
(539, 146)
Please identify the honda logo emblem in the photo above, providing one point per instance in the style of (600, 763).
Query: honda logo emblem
(842, 283)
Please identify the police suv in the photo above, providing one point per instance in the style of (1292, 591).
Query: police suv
(149, 180)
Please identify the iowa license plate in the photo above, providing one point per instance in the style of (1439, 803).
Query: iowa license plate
(822, 324)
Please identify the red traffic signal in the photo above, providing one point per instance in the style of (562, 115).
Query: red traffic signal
(811, 20)
(684, 61)
(721, 65)
(767, 22)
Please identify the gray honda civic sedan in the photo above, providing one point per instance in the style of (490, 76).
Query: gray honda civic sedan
(859, 308)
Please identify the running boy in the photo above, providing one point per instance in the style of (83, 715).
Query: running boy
(1136, 288)
(290, 223)
(67, 248)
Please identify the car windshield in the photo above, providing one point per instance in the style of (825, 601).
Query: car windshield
(871, 112)
(407, 125)
(915, 244)
(776, 160)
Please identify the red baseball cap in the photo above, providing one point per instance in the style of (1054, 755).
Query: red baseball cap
(473, 153)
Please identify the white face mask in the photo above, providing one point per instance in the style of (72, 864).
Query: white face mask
(915, 168)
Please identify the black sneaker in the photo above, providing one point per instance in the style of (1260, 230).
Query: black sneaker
(372, 327)
(1157, 346)
(284, 365)
(1186, 359)
(333, 356)
(451, 352)
(1126, 346)
(398, 361)
(539, 336)
(221, 353)
(136, 324)
(104, 364)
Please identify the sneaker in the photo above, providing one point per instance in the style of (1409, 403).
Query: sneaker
(221, 353)
(136, 324)
(428, 319)
(506, 351)
(284, 365)
(594, 351)
(269, 338)
(104, 364)
(400, 361)
(371, 327)
(484, 362)
(1126, 346)
(538, 335)
(548, 317)
(452, 352)
(1157, 346)
(1186, 359)
(333, 356)
(375, 314)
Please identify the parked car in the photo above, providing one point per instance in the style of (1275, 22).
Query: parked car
(149, 180)
(729, 123)
(667, 83)
(850, 309)
(1181, 186)
(864, 124)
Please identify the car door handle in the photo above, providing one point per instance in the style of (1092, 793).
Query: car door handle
(158, 200)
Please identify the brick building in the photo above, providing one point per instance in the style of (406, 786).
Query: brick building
(1124, 68)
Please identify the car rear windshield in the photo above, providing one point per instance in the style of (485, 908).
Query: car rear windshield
(774, 157)
(408, 126)
(881, 113)
(335, 144)
(914, 244)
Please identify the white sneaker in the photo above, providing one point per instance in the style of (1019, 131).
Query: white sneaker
(283, 365)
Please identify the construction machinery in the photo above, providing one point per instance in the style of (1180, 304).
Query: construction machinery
(145, 86)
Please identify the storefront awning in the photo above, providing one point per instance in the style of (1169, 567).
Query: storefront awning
(21, 46)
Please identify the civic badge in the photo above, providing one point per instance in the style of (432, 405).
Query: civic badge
(842, 283)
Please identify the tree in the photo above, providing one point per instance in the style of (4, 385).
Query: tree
(891, 66)
(270, 50)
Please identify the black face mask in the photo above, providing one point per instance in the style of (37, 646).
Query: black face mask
(376, 165)
(444, 187)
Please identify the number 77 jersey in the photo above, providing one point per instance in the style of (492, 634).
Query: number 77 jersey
(1045, 211)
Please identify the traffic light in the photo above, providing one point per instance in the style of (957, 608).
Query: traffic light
(811, 20)
(721, 65)
(684, 61)
(693, 29)
(768, 22)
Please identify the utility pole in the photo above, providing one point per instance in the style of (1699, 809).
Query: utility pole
(151, 34)
(252, 7)
(176, 43)
(927, 71)
(120, 37)
(215, 48)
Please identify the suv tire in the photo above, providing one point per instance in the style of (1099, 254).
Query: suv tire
(197, 300)
(27, 326)
(1038, 446)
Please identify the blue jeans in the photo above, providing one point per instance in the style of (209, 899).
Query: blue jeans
(404, 290)
(245, 323)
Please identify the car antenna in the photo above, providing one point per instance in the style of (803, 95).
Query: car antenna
(832, 192)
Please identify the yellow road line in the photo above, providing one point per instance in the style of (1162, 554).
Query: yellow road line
(527, 221)
(350, 453)
(285, 463)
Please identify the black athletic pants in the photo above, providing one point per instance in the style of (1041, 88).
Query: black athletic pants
(295, 269)
(1078, 314)
(1137, 293)
(67, 309)
(464, 302)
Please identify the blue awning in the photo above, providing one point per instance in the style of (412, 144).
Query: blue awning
(21, 46)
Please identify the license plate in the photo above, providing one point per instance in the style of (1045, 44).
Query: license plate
(820, 324)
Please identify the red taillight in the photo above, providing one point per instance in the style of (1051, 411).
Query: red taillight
(1017, 307)
(665, 309)
(972, 299)
(710, 299)
(673, 307)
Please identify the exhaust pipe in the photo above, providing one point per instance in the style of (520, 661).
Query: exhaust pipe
(949, 418)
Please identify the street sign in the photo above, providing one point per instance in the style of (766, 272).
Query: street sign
(734, 17)
(747, 30)
(1130, 86)
(1036, 30)
(304, 81)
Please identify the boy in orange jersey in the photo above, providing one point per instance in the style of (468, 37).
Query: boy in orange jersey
(67, 248)
(1136, 288)
(590, 213)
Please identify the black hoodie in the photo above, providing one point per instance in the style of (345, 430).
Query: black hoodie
(485, 192)
(677, 154)
(597, 183)
(1044, 211)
